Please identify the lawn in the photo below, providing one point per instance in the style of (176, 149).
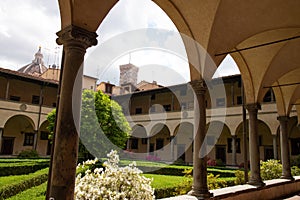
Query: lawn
(164, 181)
(165, 185)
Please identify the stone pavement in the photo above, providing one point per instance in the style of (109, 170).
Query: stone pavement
(182, 197)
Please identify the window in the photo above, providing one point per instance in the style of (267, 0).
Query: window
(153, 97)
(183, 106)
(35, 99)
(53, 104)
(159, 143)
(295, 142)
(127, 89)
(138, 111)
(134, 143)
(152, 109)
(237, 145)
(28, 139)
(44, 135)
(220, 102)
(108, 88)
(167, 107)
(14, 98)
(239, 100)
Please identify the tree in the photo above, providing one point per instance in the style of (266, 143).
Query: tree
(103, 125)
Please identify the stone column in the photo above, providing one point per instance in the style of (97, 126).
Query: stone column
(148, 146)
(1, 133)
(75, 40)
(255, 178)
(284, 144)
(275, 147)
(172, 143)
(233, 148)
(199, 189)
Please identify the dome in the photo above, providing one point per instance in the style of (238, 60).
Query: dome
(36, 67)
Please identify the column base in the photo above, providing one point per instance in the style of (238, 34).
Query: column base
(256, 183)
(200, 194)
(289, 177)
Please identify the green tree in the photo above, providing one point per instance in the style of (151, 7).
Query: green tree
(103, 125)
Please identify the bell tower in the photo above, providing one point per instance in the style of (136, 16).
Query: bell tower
(128, 78)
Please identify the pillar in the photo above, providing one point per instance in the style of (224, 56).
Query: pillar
(233, 148)
(199, 188)
(255, 178)
(275, 147)
(284, 144)
(75, 40)
(1, 133)
(172, 143)
(148, 146)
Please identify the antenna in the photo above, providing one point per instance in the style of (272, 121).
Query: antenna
(129, 58)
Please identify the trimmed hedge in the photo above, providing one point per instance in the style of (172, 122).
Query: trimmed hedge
(180, 171)
(175, 191)
(34, 193)
(19, 169)
(11, 190)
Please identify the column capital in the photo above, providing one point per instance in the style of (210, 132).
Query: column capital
(283, 118)
(253, 107)
(74, 35)
(198, 86)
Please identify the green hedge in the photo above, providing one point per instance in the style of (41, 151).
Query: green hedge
(13, 189)
(175, 191)
(180, 171)
(21, 168)
(34, 193)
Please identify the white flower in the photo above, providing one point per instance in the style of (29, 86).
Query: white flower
(122, 183)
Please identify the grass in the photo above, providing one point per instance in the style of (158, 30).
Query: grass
(34, 193)
(7, 180)
(165, 181)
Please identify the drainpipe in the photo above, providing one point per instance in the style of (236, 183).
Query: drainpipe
(7, 89)
(39, 117)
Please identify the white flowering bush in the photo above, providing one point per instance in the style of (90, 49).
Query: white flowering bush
(113, 183)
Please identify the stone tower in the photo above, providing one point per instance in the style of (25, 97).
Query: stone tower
(128, 74)
(128, 77)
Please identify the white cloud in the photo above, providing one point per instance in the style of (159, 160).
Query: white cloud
(25, 25)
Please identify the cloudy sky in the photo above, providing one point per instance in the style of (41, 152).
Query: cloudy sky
(26, 25)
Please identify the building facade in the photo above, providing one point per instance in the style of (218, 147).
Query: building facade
(26, 98)
(162, 123)
(25, 101)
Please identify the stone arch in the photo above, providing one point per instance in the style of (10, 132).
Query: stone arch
(18, 135)
(265, 139)
(159, 142)
(183, 142)
(294, 136)
(43, 142)
(138, 141)
(217, 135)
